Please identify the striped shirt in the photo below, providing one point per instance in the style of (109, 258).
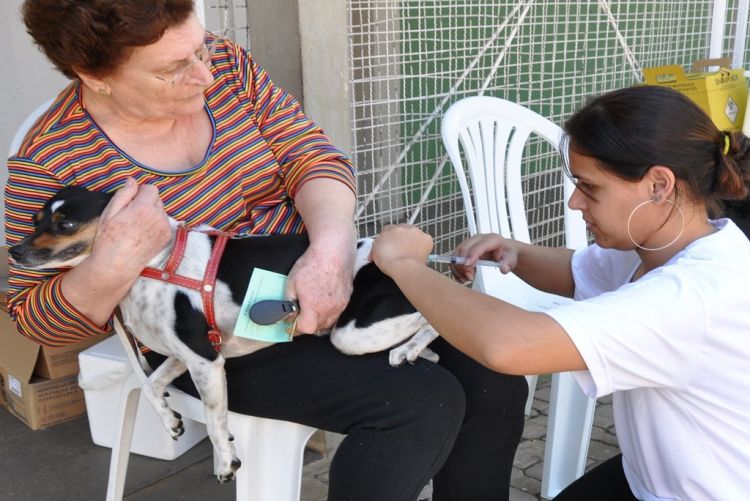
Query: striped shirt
(263, 149)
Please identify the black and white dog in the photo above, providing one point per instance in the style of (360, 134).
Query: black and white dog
(171, 319)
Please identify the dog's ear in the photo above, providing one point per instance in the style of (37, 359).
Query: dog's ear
(102, 199)
(81, 193)
(93, 201)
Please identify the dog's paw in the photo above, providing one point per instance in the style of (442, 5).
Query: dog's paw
(409, 352)
(227, 474)
(225, 478)
(176, 427)
(430, 355)
(397, 357)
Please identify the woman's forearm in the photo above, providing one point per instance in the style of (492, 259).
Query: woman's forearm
(327, 208)
(545, 268)
(132, 230)
(94, 290)
(494, 333)
(321, 279)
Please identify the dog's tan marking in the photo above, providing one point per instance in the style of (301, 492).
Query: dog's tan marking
(57, 243)
(45, 241)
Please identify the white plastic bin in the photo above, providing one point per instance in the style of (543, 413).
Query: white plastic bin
(103, 369)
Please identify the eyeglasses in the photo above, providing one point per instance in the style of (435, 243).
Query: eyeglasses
(203, 55)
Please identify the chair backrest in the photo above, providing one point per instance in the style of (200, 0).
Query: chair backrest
(494, 133)
(23, 129)
(200, 11)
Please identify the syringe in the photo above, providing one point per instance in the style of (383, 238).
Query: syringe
(444, 258)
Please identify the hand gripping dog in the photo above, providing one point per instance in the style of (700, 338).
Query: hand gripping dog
(176, 317)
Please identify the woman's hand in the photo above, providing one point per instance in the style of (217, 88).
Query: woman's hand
(486, 246)
(398, 243)
(132, 229)
(321, 280)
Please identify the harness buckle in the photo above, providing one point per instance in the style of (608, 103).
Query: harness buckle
(214, 337)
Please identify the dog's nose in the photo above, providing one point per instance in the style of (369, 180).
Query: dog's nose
(16, 252)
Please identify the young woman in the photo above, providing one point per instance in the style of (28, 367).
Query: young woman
(662, 317)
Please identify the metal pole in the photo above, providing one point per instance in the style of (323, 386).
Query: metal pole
(718, 20)
(740, 34)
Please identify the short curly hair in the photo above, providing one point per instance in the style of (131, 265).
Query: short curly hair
(95, 36)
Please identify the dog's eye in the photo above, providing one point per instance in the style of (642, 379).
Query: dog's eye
(66, 225)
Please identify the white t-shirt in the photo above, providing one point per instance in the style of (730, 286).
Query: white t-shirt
(674, 348)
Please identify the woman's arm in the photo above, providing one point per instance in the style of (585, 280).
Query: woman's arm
(131, 231)
(545, 268)
(320, 179)
(496, 334)
(322, 278)
(58, 307)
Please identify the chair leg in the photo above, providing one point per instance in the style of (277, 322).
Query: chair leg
(571, 415)
(272, 457)
(531, 380)
(118, 466)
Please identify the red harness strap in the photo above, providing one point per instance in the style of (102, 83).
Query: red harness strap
(205, 287)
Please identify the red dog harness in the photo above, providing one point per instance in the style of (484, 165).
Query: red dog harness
(205, 287)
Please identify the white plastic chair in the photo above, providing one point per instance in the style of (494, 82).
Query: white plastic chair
(494, 133)
(23, 129)
(271, 451)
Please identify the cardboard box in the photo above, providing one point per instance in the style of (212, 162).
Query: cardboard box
(44, 402)
(39, 384)
(721, 94)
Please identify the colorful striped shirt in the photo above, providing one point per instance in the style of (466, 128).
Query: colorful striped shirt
(263, 149)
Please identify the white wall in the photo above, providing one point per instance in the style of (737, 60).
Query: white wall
(324, 46)
(275, 42)
(26, 79)
(303, 45)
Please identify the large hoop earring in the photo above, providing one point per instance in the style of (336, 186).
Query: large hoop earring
(682, 215)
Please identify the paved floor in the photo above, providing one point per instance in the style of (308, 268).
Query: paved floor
(526, 480)
(62, 464)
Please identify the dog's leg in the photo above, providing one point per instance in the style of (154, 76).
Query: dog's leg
(410, 350)
(210, 380)
(430, 355)
(155, 391)
(378, 336)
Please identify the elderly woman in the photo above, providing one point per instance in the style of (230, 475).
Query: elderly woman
(186, 124)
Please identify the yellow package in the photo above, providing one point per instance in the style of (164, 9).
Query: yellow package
(721, 94)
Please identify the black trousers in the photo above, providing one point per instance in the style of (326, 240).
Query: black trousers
(455, 422)
(605, 481)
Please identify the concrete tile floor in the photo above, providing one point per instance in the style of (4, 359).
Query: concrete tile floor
(62, 464)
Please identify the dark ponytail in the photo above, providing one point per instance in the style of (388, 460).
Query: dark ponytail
(733, 166)
(630, 130)
(734, 172)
